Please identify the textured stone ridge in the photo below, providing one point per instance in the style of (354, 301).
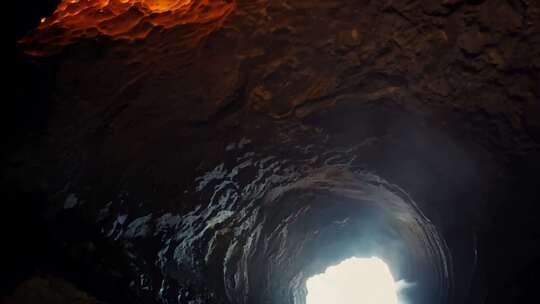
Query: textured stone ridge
(75, 20)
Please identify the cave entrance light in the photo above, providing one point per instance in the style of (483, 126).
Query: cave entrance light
(353, 281)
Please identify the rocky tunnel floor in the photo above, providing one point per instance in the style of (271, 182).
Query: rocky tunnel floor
(226, 151)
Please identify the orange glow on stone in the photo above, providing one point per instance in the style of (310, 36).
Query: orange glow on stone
(120, 19)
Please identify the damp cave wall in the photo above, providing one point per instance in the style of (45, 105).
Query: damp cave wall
(452, 121)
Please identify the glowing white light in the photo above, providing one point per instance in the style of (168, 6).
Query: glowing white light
(353, 281)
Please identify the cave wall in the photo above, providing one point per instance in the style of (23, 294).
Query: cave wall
(170, 146)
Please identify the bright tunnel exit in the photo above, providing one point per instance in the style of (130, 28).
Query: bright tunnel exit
(353, 281)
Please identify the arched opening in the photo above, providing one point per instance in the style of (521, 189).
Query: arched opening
(354, 280)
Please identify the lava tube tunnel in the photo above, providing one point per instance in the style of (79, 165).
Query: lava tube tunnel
(272, 152)
(261, 246)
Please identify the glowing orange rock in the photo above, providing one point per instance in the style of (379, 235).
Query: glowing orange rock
(120, 20)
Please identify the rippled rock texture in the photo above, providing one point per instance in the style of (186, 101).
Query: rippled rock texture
(227, 150)
(258, 242)
(76, 20)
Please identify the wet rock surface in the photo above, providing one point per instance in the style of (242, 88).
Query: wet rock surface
(229, 168)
